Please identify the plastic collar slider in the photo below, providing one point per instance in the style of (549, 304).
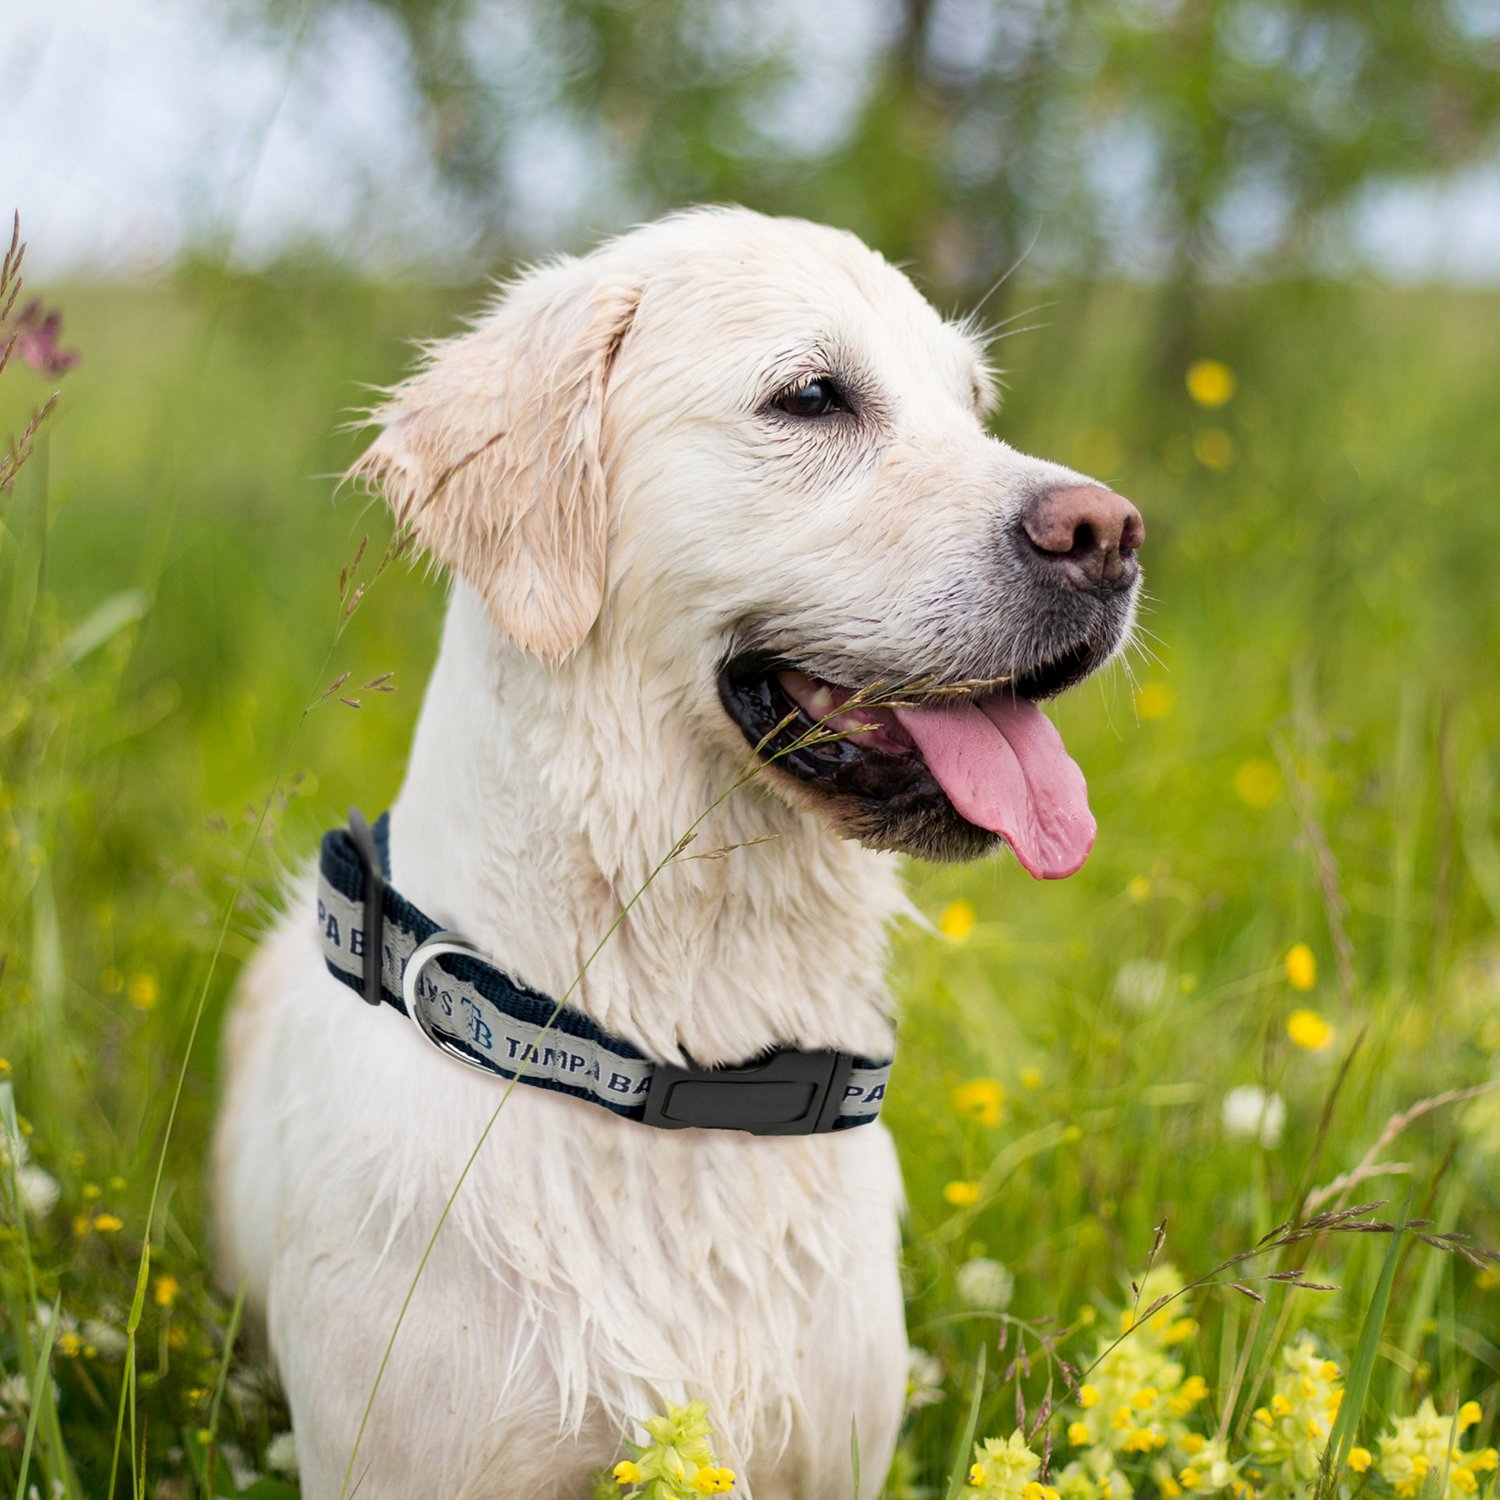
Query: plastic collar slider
(786, 1093)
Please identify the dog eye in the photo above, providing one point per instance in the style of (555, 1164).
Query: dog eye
(816, 398)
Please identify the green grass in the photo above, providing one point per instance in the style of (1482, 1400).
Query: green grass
(1321, 619)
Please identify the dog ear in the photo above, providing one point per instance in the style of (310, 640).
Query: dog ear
(492, 452)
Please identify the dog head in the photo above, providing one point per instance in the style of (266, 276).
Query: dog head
(747, 452)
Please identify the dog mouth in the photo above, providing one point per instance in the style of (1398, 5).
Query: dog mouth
(918, 755)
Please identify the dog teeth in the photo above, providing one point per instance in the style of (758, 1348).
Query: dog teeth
(820, 702)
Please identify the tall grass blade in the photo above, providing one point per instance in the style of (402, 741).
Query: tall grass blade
(966, 1438)
(27, 1313)
(38, 1388)
(231, 1333)
(1357, 1383)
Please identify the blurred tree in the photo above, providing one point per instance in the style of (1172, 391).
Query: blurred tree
(1187, 139)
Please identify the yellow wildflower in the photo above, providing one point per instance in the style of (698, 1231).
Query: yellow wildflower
(1138, 888)
(164, 1290)
(1309, 1030)
(1004, 1469)
(1468, 1414)
(1030, 1078)
(1210, 382)
(1145, 1399)
(108, 1223)
(1301, 968)
(1360, 1460)
(143, 992)
(1193, 1443)
(1087, 1396)
(1078, 1434)
(1169, 1487)
(962, 1194)
(69, 1345)
(1280, 1406)
(957, 920)
(4, 1066)
(713, 1480)
(1155, 700)
(979, 1099)
(1214, 449)
(1257, 783)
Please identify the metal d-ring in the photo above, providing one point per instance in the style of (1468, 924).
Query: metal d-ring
(436, 946)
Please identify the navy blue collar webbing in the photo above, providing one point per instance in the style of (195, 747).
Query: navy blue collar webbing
(379, 944)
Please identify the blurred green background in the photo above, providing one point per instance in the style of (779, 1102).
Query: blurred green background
(1301, 756)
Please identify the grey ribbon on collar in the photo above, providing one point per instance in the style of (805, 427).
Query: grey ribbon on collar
(570, 1053)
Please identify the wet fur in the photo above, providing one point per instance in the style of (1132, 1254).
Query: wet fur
(598, 463)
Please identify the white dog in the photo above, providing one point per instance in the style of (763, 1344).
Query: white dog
(697, 489)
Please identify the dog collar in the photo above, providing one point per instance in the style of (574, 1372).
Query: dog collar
(379, 944)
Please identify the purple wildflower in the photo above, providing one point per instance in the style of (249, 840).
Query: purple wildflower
(36, 333)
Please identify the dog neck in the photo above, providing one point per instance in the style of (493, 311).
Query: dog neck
(540, 801)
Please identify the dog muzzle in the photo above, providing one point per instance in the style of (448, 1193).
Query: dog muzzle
(380, 945)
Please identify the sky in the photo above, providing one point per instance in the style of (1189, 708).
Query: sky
(132, 131)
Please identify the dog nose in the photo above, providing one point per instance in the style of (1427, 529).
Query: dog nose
(1088, 534)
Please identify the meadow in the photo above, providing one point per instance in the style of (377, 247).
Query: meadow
(1283, 945)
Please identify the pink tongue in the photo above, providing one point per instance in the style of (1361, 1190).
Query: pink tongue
(1004, 767)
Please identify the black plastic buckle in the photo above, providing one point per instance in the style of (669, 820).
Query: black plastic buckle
(787, 1093)
(369, 856)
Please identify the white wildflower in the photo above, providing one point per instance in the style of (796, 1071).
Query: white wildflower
(281, 1454)
(924, 1378)
(1143, 983)
(39, 1191)
(985, 1284)
(241, 1470)
(15, 1396)
(107, 1338)
(1250, 1113)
